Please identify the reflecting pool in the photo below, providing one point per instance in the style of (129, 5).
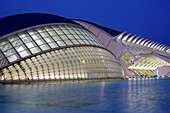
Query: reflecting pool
(133, 96)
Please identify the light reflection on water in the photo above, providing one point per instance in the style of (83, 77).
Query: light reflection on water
(138, 96)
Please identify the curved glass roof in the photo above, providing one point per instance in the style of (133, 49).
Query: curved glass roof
(42, 39)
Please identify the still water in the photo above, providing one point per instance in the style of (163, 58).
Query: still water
(133, 96)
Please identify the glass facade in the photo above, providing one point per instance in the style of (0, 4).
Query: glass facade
(56, 52)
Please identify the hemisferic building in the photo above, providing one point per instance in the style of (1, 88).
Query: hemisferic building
(37, 47)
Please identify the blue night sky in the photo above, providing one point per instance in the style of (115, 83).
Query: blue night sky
(146, 18)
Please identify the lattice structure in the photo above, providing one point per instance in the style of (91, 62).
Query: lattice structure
(56, 52)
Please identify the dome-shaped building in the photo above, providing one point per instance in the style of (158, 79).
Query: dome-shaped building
(39, 47)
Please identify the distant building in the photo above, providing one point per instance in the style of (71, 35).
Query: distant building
(37, 47)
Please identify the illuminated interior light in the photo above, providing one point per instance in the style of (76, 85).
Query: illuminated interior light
(35, 78)
(83, 61)
(22, 36)
(48, 40)
(30, 45)
(39, 42)
(20, 48)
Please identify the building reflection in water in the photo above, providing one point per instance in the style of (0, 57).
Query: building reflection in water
(122, 96)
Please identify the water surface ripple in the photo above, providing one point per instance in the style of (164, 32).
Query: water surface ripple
(138, 96)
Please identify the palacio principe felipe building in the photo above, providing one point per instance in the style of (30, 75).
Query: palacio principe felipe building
(42, 48)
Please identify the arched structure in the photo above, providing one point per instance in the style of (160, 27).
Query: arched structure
(138, 56)
(39, 47)
(52, 49)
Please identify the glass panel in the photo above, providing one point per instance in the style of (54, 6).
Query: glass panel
(40, 30)
(61, 43)
(30, 45)
(35, 50)
(48, 28)
(13, 38)
(55, 27)
(59, 32)
(23, 35)
(68, 42)
(32, 32)
(20, 48)
(63, 37)
(44, 47)
(39, 42)
(17, 43)
(24, 54)
(56, 38)
(75, 41)
(36, 36)
(13, 58)
(52, 33)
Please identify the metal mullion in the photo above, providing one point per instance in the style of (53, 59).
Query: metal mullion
(71, 34)
(69, 49)
(14, 40)
(24, 44)
(50, 62)
(67, 64)
(34, 41)
(65, 35)
(78, 31)
(101, 66)
(35, 67)
(23, 69)
(3, 74)
(53, 64)
(75, 61)
(42, 38)
(41, 66)
(4, 56)
(91, 62)
(30, 69)
(73, 64)
(58, 66)
(77, 34)
(96, 62)
(94, 41)
(84, 63)
(77, 64)
(51, 36)
(10, 73)
(46, 64)
(62, 61)
(14, 48)
(79, 61)
(58, 35)
(88, 64)
(16, 71)
(82, 35)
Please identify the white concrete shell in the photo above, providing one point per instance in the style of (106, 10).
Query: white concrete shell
(138, 56)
